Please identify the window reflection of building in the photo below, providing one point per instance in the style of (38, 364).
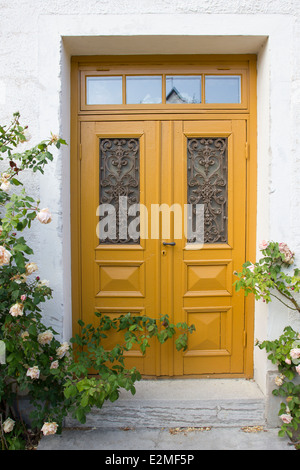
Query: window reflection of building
(175, 97)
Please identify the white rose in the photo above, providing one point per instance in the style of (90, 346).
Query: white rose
(5, 184)
(30, 268)
(44, 216)
(61, 351)
(4, 256)
(19, 278)
(279, 380)
(45, 337)
(49, 428)
(27, 136)
(24, 335)
(16, 310)
(33, 372)
(8, 425)
(54, 138)
(44, 283)
(54, 365)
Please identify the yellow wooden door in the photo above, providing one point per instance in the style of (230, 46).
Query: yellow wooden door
(118, 278)
(210, 167)
(177, 162)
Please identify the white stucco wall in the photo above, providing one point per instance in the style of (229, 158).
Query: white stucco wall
(37, 41)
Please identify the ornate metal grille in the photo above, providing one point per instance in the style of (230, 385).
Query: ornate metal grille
(207, 185)
(119, 178)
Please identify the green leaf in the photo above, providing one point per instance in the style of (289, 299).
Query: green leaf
(20, 260)
(16, 182)
(80, 415)
(84, 400)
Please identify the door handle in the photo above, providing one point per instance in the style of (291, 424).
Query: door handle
(170, 243)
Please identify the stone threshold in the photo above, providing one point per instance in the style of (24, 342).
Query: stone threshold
(182, 403)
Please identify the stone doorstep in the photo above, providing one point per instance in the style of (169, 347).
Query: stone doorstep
(182, 403)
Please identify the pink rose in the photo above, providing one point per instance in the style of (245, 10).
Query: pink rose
(287, 361)
(298, 369)
(263, 244)
(295, 353)
(286, 418)
(44, 216)
(288, 254)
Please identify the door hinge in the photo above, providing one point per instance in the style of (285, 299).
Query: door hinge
(244, 338)
(247, 150)
(80, 152)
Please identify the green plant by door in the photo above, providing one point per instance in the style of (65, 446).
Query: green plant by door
(274, 277)
(54, 374)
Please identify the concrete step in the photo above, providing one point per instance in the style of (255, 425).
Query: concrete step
(182, 403)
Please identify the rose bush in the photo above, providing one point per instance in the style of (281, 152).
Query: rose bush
(36, 362)
(270, 276)
(284, 352)
(28, 343)
(273, 277)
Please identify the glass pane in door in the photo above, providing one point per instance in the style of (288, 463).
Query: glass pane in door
(207, 185)
(183, 89)
(119, 189)
(143, 89)
(222, 89)
(104, 90)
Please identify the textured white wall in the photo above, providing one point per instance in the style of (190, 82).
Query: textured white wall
(37, 39)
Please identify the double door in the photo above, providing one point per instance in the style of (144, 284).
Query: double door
(162, 229)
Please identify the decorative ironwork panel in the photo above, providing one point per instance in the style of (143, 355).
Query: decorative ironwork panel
(207, 185)
(120, 183)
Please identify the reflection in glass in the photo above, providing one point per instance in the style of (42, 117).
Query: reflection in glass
(104, 90)
(143, 90)
(183, 89)
(222, 89)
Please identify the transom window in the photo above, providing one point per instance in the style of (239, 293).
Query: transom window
(176, 89)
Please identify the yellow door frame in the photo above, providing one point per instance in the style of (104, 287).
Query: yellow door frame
(246, 64)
